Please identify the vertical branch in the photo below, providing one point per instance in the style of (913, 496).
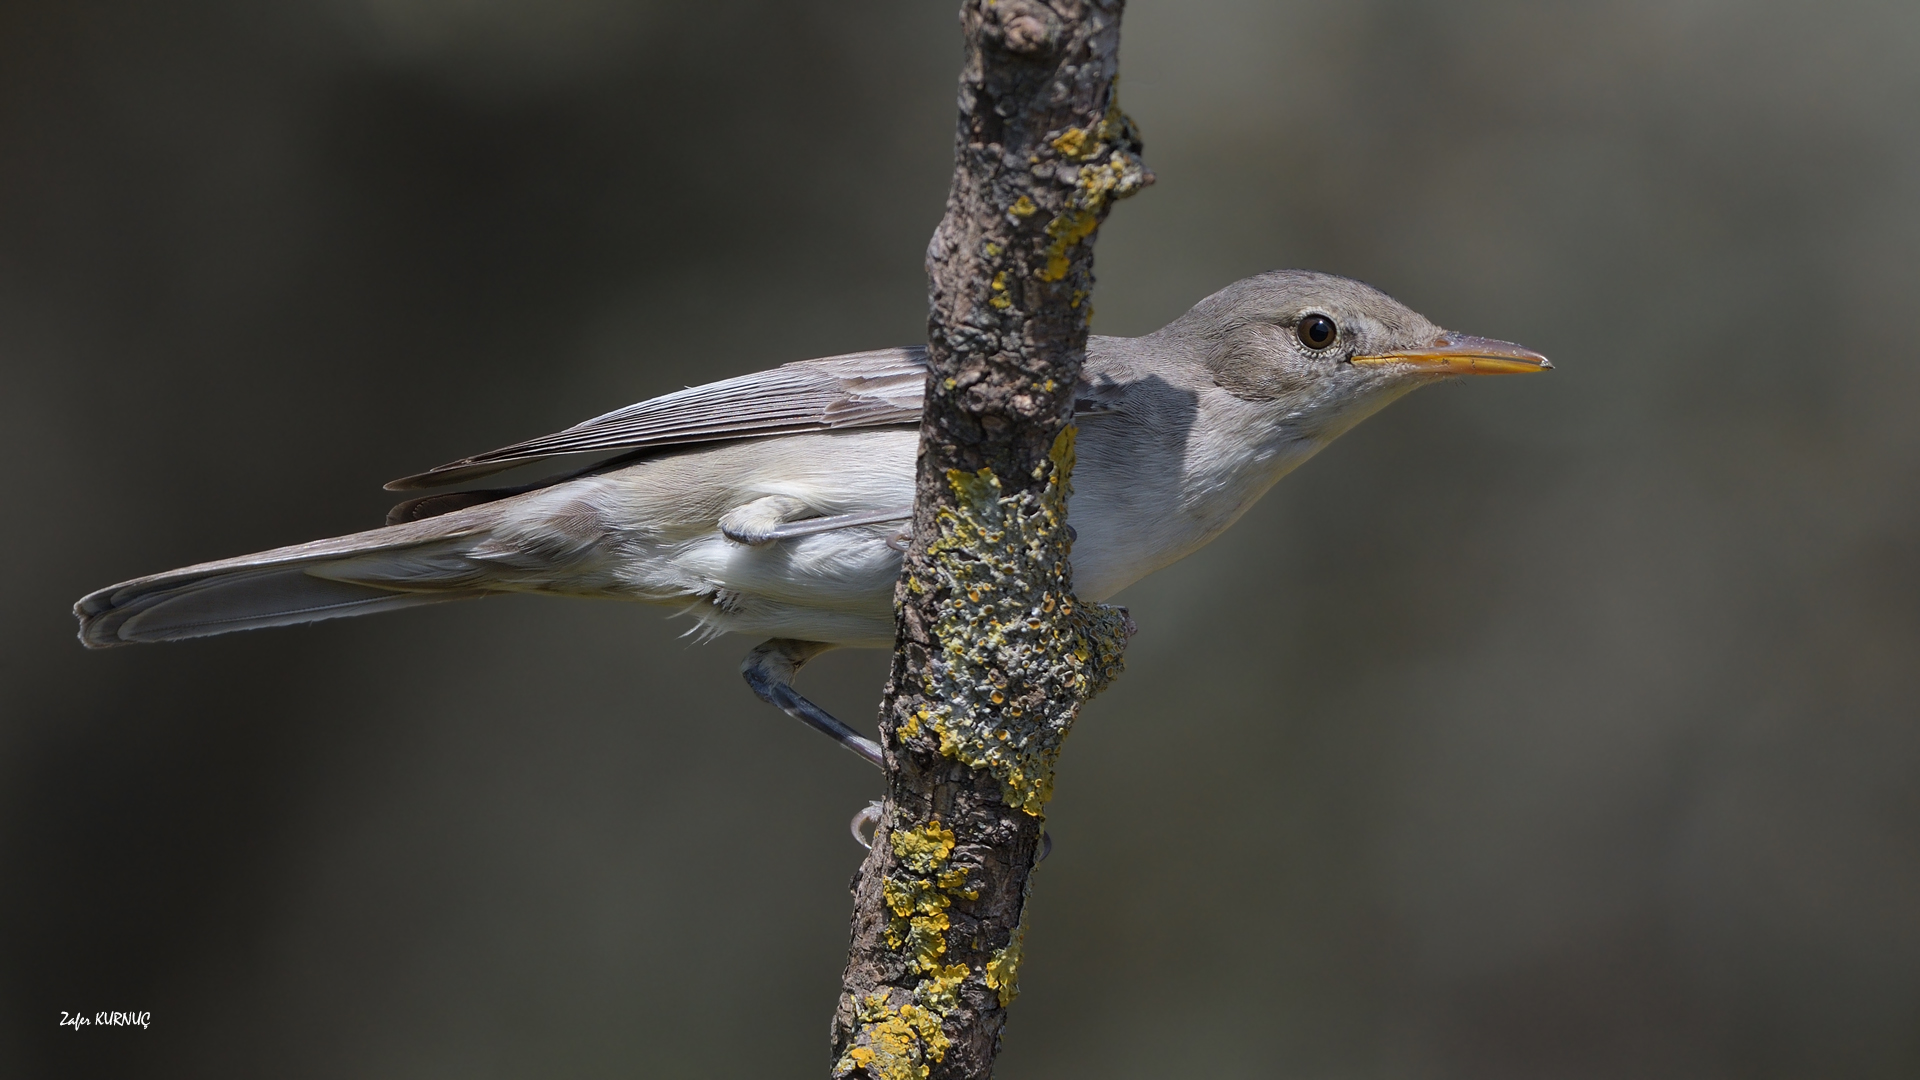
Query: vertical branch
(994, 655)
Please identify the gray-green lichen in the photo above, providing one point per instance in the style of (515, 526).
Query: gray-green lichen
(1015, 655)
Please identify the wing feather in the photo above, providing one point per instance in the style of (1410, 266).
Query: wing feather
(868, 389)
(857, 390)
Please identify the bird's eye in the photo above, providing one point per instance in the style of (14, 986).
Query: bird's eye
(1317, 331)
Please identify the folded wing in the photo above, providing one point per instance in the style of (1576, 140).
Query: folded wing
(868, 389)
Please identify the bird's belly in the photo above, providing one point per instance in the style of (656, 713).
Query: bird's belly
(833, 586)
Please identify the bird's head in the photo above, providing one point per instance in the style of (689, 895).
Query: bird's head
(1330, 350)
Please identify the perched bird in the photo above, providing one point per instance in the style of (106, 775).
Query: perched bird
(774, 504)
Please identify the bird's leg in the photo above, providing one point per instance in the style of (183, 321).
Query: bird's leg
(782, 517)
(756, 522)
(770, 668)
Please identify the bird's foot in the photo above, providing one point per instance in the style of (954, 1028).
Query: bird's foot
(870, 815)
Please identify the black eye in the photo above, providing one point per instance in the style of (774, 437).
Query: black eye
(1317, 331)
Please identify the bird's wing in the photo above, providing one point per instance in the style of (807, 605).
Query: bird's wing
(868, 389)
(858, 390)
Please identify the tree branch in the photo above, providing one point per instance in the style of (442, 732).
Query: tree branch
(994, 656)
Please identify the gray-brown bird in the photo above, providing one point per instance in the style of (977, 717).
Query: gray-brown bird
(773, 504)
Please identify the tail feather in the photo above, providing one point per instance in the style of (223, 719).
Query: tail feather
(359, 574)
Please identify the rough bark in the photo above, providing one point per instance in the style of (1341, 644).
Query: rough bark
(994, 656)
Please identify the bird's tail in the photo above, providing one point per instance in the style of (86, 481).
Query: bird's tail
(421, 562)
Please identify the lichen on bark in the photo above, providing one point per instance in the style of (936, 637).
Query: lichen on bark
(1017, 654)
(903, 1040)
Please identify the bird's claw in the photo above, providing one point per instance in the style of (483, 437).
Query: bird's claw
(870, 815)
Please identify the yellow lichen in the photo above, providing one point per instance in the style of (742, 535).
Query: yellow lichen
(1000, 287)
(919, 901)
(1003, 967)
(898, 1043)
(1074, 142)
(940, 990)
(1022, 207)
(1066, 230)
(922, 850)
(1115, 173)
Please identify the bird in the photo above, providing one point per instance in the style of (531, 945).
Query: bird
(778, 504)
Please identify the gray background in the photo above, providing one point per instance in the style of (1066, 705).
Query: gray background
(1557, 727)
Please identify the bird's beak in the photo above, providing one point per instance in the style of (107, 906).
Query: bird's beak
(1464, 354)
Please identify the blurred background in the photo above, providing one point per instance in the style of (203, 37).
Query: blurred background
(1559, 727)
